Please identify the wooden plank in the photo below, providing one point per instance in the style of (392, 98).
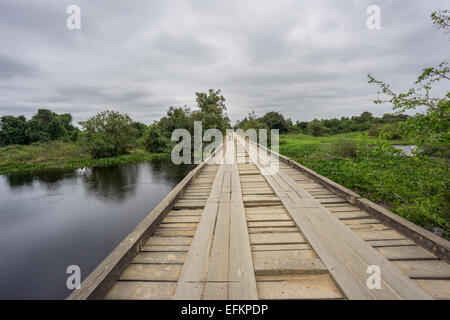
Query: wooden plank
(379, 235)
(196, 212)
(191, 282)
(286, 262)
(272, 229)
(242, 285)
(390, 243)
(151, 272)
(269, 217)
(216, 286)
(138, 290)
(165, 249)
(276, 238)
(265, 210)
(277, 247)
(406, 253)
(257, 224)
(177, 226)
(425, 269)
(280, 254)
(351, 215)
(181, 219)
(438, 289)
(161, 232)
(437, 245)
(318, 286)
(160, 257)
(169, 241)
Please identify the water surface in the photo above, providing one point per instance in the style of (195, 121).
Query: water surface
(53, 218)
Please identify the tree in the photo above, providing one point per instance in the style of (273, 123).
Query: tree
(154, 139)
(13, 130)
(275, 120)
(212, 110)
(140, 127)
(108, 133)
(316, 128)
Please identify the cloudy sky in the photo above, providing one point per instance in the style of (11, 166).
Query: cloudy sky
(305, 59)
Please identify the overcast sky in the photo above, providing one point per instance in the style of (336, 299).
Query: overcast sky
(305, 59)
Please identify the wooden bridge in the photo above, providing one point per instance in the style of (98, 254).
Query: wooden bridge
(247, 224)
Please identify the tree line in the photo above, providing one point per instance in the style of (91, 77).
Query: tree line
(365, 121)
(110, 133)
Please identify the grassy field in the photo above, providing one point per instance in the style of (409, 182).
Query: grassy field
(61, 154)
(416, 188)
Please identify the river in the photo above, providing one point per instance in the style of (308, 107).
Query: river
(53, 218)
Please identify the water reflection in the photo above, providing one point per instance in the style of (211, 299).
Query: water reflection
(165, 170)
(111, 183)
(49, 178)
(114, 183)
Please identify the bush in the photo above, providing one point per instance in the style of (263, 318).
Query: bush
(375, 129)
(154, 140)
(317, 128)
(108, 134)
(344, 148)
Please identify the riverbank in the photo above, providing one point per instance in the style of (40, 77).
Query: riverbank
(416, 188)
(15, 158)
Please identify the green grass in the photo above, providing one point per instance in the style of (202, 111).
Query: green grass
(61, 155)
(416, 188)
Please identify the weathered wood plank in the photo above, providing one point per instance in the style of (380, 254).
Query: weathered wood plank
(389, 243)
(161, 232)
(242, 285)
(276, 238)
(160, 257)
(379, 235)
(138, 290)
(269, 217)
(165, 249)
(272, 229)
(151, 272)
(406, 253)
(319, 286)
(286, 262)
(438, 289)
(169, 241)
(425, 269)
(191, 282)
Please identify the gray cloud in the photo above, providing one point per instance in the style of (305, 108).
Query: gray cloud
(302, 58)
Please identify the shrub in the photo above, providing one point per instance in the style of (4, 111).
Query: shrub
(108, 134)
(344, 148)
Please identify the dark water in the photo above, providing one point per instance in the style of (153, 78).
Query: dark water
(50, 219)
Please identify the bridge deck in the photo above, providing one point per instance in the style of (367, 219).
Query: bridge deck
(243, 230)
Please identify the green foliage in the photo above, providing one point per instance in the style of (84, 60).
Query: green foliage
(140, 127)
(344, 148)
(155, 140)
(275, 120)
(417, 188)
(40, 152)
(44, 126)
(108, 134)
(58, 154)
(317, 128)
(441, 19)
(210, 111)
